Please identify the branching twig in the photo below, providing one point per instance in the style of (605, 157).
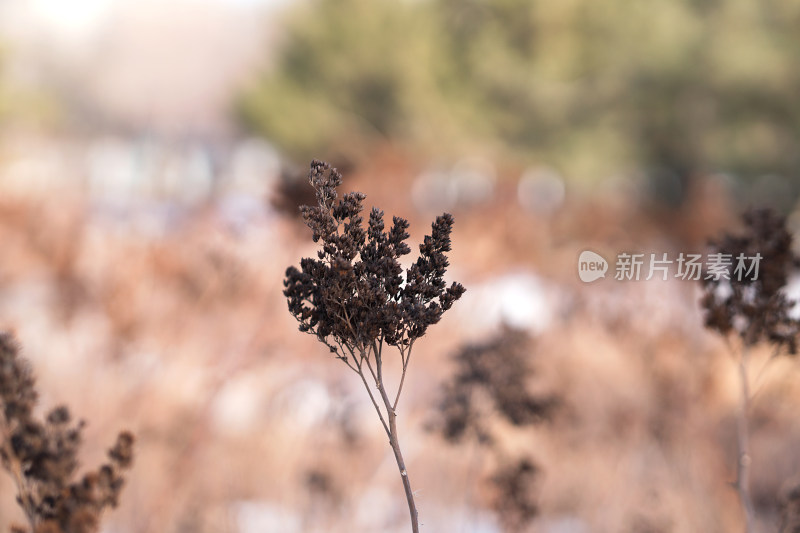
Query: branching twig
(371, 396)
(405, 357)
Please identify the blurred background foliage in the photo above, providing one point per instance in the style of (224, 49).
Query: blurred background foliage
(664, 90)
(25, 107)
(152, 158)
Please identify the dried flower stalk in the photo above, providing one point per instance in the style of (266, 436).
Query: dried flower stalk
(755, 309)
(42, 457)
(355, 299)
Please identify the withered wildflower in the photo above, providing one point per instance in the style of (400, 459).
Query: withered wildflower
(755, 307)
(789, 504)
(492, 380)
(515, 498)
(356, 298)
(290, 193)
(498, 369)
(42, 457)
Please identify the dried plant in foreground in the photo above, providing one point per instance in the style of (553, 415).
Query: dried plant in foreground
(356, 300)
(41, 457)
(753, 309)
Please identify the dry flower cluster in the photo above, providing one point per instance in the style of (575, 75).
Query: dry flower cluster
(515, 502)
(42, 457)
(355, 298)
(756, 310)
(498, 370)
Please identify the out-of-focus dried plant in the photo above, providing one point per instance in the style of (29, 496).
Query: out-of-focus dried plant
(747, 300)
(790, 509)
(754, 307)
(41, 457)
(515, 499)
(498, 371)
(292, 192)
(355, 299)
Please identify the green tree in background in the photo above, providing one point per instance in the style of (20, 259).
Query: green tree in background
(595, 88)
(347, 73)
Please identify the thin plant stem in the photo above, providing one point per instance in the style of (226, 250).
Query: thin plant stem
(758, 384)
(401, 465)
(394, 442)
(360, 373)
(743, 438)
(405, 358)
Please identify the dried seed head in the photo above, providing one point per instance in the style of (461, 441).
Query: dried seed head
(46, 453)
(58, 416)
(355, 292)
(757, 309)
(498, 369)
(122, 452)
(515, 501)
(17, 392)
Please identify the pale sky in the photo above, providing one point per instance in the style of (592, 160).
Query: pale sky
(77, 16)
